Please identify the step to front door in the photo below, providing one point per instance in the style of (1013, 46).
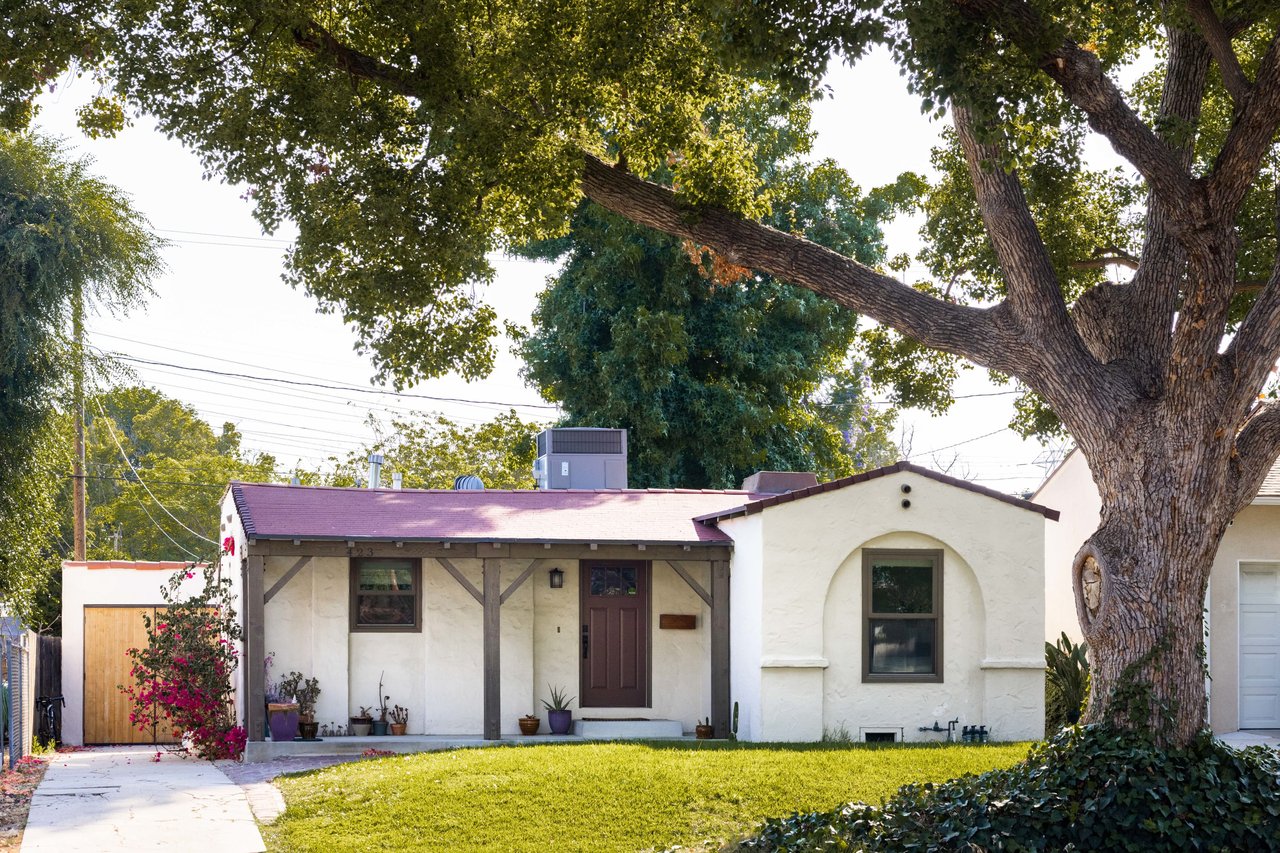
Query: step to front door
(627, 729)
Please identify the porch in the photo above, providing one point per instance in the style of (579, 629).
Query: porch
(494, 630)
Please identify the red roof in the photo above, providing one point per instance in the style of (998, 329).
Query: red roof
(270, 511)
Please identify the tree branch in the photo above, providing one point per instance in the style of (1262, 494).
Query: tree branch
(1257, 449)
(1219, 42)
(1256, 346)
(1251, 136)
(1032, 284)
(1078, 72)
(315, 39)
(983, 335)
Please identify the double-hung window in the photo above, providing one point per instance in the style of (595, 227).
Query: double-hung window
(386, 594)
(902, 615)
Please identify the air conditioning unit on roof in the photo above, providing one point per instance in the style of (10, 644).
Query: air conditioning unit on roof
(581, 458)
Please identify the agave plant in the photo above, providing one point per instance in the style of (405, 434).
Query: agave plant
(1066, 682)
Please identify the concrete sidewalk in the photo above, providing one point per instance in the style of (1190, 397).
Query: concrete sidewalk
(121, 798)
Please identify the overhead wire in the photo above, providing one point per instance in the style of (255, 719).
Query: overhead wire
(111, 428)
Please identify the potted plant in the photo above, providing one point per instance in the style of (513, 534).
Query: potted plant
(305, 692)
(703, 729)
(399, 718)
(282, 711)
(559, 717)
(362, 722)
(529, 724)
(380, 724)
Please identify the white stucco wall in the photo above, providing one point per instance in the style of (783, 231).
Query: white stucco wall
(1254, 536)
(746, 609)
(1071, 491)
(810, 587)
(84, 587)
(438, 673)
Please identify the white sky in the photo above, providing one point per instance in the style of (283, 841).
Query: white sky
(222, 305)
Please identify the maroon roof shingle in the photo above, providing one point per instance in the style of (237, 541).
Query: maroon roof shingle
(270, 511)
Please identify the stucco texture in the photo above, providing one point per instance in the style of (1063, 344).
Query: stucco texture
(438, 673)
(808, 647)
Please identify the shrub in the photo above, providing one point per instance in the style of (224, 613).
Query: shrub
(183, 676)
(1088, 788)
(1066, 683)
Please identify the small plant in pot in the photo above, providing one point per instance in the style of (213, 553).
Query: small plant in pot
(529, 724)
(361, 723)
(703, 729)
(380, 724)
(559, 717)
(399, 719)
(305, 691)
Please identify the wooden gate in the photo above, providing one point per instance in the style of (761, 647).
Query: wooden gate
(109, 632)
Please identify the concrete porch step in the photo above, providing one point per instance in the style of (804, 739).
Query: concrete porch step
(627, 729)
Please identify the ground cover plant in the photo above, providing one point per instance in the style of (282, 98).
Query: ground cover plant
(1087, 788)
(596, 796)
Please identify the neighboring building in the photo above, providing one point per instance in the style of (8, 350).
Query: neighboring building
(873, 605)
(1243, 603)
(102, 606)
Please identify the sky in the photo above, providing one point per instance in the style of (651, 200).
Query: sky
(224, 334)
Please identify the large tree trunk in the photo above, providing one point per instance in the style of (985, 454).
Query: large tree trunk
(1140, 580)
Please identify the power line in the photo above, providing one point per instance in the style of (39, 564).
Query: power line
(351, 388)
(164, 532)
(111, 428)
(966, 441)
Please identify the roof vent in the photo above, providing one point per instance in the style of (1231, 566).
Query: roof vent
(468, 483)
(375, 470)
(778, 482)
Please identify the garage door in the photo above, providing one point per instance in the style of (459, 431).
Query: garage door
(1260, 645)
(108, 634)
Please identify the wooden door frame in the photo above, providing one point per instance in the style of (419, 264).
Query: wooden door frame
(645, 572)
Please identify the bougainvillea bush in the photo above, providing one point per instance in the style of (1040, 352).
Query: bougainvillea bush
(183, 676)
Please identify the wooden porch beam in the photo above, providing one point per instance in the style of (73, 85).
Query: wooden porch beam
(516, 584)
(688, 578)
(471, 550)
(720, 647)
(492, 602)
(462, 579)
(285, 578)
(254, 645)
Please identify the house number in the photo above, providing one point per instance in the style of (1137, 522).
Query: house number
(359, 552)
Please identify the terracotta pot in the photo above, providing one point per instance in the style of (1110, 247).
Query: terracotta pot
(704, 732)
(529, 725)
(397, 728)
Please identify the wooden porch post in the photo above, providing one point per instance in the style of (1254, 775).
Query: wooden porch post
(254, 643)
(492, 649)
(720, 647)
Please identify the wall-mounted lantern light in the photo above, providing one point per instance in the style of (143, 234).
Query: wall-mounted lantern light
(557, 579)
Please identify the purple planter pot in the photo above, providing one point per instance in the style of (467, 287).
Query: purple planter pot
(560, 721)
(284, 724)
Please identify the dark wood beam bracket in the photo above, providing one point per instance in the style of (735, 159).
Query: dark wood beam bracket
(285, 578)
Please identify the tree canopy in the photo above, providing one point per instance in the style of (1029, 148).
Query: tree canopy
(714, 370)
(408, 140)
(65, 238)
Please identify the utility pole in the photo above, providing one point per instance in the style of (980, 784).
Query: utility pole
(79, 549)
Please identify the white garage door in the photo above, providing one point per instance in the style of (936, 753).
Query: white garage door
(1260, 645)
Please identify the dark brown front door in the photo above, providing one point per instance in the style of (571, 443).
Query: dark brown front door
(615, 634)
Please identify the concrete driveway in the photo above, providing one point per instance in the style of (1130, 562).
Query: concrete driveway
(122, 798)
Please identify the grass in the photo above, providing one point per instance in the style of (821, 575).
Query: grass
(596, 796)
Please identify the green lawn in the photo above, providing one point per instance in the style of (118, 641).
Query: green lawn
(596, 796)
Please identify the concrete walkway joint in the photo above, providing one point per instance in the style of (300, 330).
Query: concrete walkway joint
(122, 798)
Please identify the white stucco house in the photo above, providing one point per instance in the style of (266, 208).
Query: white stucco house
(1243, 602)
(875, 605)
